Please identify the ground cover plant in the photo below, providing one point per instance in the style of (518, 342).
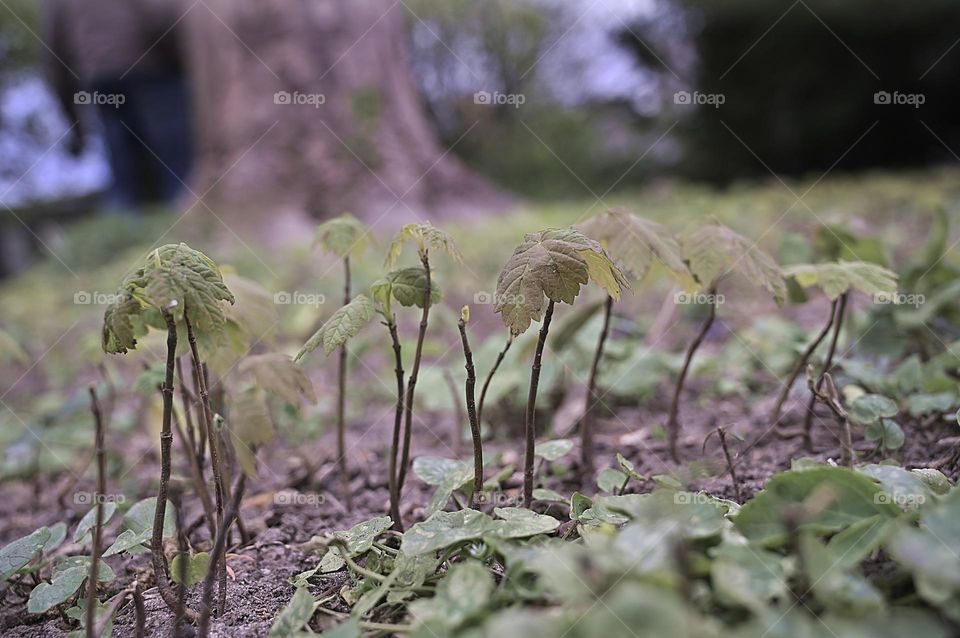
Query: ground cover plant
(224, 479)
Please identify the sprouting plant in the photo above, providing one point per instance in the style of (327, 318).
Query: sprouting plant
(713, 252)
(174, 287)
(836, 280)
(635, 245)
(470, 395)
(875, 413)
(343, 236)
(425, 237)
(550, 266)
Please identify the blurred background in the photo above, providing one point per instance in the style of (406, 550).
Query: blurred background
(245, 110)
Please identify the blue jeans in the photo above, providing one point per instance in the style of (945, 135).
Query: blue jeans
(147, 136)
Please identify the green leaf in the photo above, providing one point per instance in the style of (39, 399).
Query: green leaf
(426, 237)
(294, 616)
(342, 326)
(46, 596)
(867, 408)
(888, 432)
(939, 402)
(611, 480)
(905, 489)
(104, 571)
(843, 497)
(543, 494)
(349, 628)
(520, 522)
(714, 250)
(633, 242)
(837, 278)
(196, 568)
(17, 554)
(343, 236)
(448, 475)
(629, 468)
(407, 286)
(551, 264)
(360, 537)
(934, 479)
(90, 519)
(172, 277)
(276, 373)
(462, 594)
(444, 529)
(553, 450)
(834, 586)
(138, 522)
(749, 577)
(251, 427)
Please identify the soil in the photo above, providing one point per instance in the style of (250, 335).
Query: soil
(283, 509)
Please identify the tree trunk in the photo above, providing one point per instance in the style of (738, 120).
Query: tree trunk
(264, 136)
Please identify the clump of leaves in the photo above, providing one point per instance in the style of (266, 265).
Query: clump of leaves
(180, 289)
(836, 280)
(635, 245)
(548, 267)
(712, 253)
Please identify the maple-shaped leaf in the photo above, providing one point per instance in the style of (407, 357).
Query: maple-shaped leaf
(426, 237)
(714, 250)
(343, 325)
(171, 278)
(343, 236)
(276, 372)
(552, 264)
(634, 243)
(837, 278)
(407, 286)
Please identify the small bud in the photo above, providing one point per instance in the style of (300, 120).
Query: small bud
(465, 314)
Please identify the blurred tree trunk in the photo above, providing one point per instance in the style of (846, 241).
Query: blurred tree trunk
(366, 145)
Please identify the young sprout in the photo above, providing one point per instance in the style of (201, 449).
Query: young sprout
(836, 280)
(173, 287)
(549, 266)
(469, 391)
(425, 237)
(635, 245)
(712, 252)
(343, 236)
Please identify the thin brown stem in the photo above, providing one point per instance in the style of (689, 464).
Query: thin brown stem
(802, 365)
(414, 372)
(530, 422)
(586, 423)
(397, 424)
(493, 370)
(196, 475)
(218, 555)
(831, 399)
(673, 423)
(342, 400)
(827, 367)
(166, 438)
(140, 612)
(93, 578)
(469, 391)
(220, 488)
(731, 467)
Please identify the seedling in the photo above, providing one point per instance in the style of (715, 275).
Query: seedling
(831, 398)
(549, 266)
(470, 396)
(343, 236)
(493, 371)
(836, 280)
(174, 286)
(712, 253)
(425, 237)
(635, 244)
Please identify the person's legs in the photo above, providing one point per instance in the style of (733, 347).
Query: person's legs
(164, 123)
